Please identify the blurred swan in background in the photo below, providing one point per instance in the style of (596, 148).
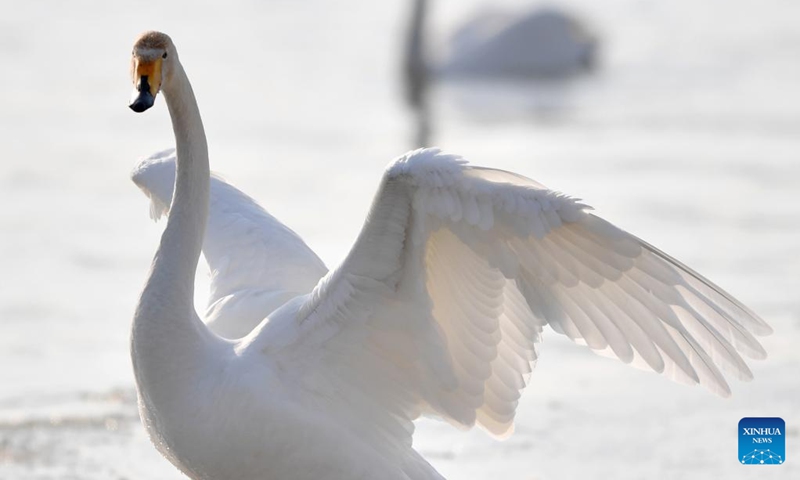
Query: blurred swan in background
(256, 262)
(542, 43)
(437, 310)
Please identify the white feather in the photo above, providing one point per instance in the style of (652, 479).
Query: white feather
(437, 309)
(584, 277)
(257, 263)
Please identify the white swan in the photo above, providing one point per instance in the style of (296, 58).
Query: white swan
(436, 310)
(256, 262)
(542, 43)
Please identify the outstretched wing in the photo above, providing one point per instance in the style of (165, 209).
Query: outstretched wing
(440, 303)
(256, 262)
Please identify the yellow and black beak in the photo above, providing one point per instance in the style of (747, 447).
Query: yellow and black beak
(147, 81)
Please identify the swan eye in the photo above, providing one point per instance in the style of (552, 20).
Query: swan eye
(165, 55)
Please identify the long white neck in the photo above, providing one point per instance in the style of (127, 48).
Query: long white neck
(168, 339)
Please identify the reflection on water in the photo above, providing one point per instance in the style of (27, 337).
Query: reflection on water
(61, 435)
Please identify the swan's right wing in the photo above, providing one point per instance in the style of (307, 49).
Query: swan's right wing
(256, 262)
(440, 303)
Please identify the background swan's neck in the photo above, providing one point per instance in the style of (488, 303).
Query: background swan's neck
(168, 337)
(416, 72)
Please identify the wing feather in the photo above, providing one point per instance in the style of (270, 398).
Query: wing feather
(440, 304)
(256, 262)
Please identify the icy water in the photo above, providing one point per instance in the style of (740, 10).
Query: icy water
(688, 135)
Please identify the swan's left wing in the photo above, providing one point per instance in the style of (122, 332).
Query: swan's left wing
(257, 263)
(440, 303)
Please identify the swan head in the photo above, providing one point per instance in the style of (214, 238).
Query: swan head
(152, 64)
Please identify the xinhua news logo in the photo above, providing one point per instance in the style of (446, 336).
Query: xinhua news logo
(762, 441)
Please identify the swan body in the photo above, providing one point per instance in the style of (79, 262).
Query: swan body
(542, 42)
(539, 44)
(437, 310)
(257, 263)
